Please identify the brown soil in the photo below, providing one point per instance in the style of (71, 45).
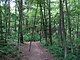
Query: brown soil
(37, 52)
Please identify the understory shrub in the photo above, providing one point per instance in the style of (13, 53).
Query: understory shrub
(9, 49)
(28, 37)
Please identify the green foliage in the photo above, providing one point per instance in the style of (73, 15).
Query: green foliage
(36, 37)
(29, 11)
(28, 37)
(9, 49)
(58, 50)
(76, 43)
(71, 57)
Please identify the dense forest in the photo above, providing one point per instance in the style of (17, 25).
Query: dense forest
(55, 23)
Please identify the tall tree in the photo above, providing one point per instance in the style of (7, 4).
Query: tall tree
(41, 16)
(63, 28)
(6, 21)
(69, 25)
(1, 31)
(15, 14)
(50, 28)
(20, 21)
(34, 22)
(8, 16)
(78, 16)
(45, 22)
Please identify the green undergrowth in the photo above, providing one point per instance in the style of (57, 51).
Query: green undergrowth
(29, 37)
(57, 50)
(9, 49)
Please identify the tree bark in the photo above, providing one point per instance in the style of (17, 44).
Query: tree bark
(63, 28)
(50, 31)
(69, 26)
(1, 31)
(8, 17)
(20, 21)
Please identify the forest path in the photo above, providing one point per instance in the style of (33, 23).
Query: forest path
(37, 52)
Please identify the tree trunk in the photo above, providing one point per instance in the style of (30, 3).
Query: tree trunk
(20, 21)
(9, 17)
(69, 26)
(50, 31)
(41, 16)
(63, 28)
(15, 14)
(45, 23)
(6, 22)
(1, 31)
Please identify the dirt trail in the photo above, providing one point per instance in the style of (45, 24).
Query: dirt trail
(37, 52)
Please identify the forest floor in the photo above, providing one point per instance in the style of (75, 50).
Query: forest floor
(37, 52)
